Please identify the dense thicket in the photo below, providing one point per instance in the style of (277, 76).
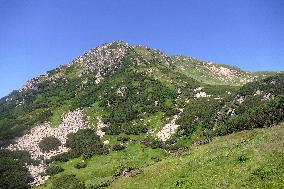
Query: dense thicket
(13, 173)
(264, 115)
(198, 114)
(49, 143)
(53, 170)
(85, 142)
(261, 105)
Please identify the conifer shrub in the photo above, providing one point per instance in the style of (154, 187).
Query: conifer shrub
(49, 143)
(53, 170)
(123, 139)
(13, 173)
(80, 165)
(67, 181)
(118, 147)
(85, 142)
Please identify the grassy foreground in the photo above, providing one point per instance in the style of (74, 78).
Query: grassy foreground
(248, 159)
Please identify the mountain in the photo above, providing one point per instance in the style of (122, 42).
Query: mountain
(120, 108)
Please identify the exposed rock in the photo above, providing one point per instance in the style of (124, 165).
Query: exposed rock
(36, 172)
(169, 129)
(202, 95)
(106, 142)
(100, 127)
(121, 91)
(198, 89)
(71, 123)
(102, 59)
(267, 96)
(231, 112)
(240, 99)
(258, 92)
(33, 83)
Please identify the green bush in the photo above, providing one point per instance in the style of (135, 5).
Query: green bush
(49, 143)
(85, 142)
(118, 147)
(67, 182)
(135, 129)
(80, 165)
(242, 158)
(123, 139)
(151, 142)
(53, 170)
(64, 157)
(268, 113)
(13, 173)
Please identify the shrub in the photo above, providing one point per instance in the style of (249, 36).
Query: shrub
(118, 147)
(80, 165)
(151, 142)
(49, 143)
(123, 139)
(85, 142)
(15, 179)
(53, 170)
(135, 129)
(64, 157)
(242, 158)
(67, 181)
(268, 113)
(13, 173)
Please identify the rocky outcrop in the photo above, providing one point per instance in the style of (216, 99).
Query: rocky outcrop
(33, 84)
(169, 129)
(100, 127)
(71, 123)
(101, 60)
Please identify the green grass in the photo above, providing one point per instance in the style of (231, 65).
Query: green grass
(248, 159)
(55, 119)
(93, 112)
(102, 168)
(155, 121)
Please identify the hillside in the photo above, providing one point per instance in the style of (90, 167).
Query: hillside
(120, 108)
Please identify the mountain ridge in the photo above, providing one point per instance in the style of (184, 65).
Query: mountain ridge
(86, 58)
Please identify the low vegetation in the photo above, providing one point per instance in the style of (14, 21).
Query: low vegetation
(13, 173)
(49, 143)
(85, 142)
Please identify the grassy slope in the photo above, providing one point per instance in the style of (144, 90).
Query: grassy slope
(248, 159)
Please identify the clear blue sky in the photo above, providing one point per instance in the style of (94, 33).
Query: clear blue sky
(39, 35)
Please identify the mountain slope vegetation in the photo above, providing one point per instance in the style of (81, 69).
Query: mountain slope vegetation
(119, 109)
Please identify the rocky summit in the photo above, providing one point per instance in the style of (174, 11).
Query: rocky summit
(130, 116)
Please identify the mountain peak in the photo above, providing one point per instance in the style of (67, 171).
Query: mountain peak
(103, 56)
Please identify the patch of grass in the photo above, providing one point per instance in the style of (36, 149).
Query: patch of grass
(55, 119)
(155, 121)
